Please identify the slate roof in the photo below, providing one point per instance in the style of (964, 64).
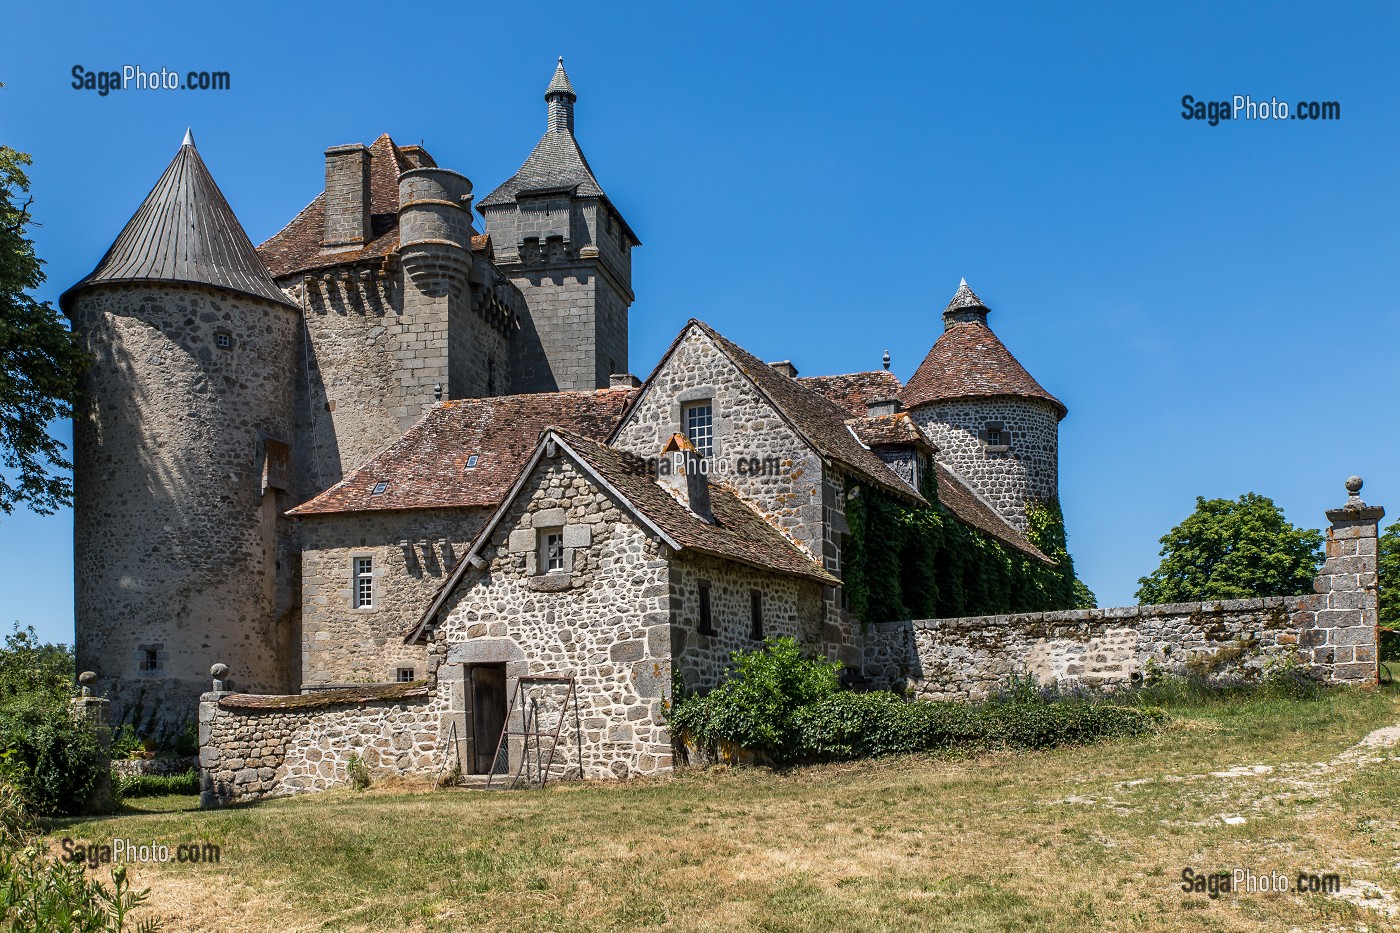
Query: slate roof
(427, 467)
(738, 533)
(557, 163)
(968, 361)
(296, 248)
(957, 496)
(184, 231)
(818, 419)
(855, 391)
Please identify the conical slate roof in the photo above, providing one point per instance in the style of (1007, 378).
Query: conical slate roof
(969, 361)
(184, 232)
(560, 83)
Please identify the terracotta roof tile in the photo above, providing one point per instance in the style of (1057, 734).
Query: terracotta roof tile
(427, 467)
(855, 391)
(897, 430)
(968, 361)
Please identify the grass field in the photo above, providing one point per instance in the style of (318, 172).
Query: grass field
(1073, 839)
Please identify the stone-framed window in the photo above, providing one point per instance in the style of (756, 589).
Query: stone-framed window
(698, 420)
(756, 615)
(403, 675)
(362, 582)
(707, 622)
(995, 437)
(223, 338)
(150, 659)
(551, 544)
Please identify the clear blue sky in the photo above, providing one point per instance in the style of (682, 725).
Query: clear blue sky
(1216, 305)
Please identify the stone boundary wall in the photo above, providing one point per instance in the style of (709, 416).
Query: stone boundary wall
(254, 746)
(153, 767)
(1331, 632)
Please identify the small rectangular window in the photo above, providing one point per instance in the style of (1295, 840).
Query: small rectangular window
(551, 549)
(756, 614)
(364, 583)
(223, 341)
(150, 658)
(699, 421)
(707, 625)
(472, 461)
(379, 488)
(405, 675)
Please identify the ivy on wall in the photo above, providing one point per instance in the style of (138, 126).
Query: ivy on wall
(906, 561)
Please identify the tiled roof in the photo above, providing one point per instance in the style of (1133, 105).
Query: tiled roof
(855, 391)
(427, 467)
(812, 414)
(968, 361)
(957, 496)
(738, 533)
(559, 84)
(897, 430)
(556, 163)
(184, 231)
(297, 247)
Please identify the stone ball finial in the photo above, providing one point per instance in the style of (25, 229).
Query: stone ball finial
(887, 360)
(1354, 485)
(219, 670)
(87, 678)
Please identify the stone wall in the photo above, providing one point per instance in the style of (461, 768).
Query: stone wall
(791, 608)
(273, 746)
(604, 619)
(1332, 632)
(787, 489)
(180, 435)
(1024, 469)
(413, 551)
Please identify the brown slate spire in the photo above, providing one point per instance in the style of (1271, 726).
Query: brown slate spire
(968, 361)
(184, 231)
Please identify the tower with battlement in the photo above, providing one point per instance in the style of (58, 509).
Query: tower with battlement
(992, 422)
(567, 249)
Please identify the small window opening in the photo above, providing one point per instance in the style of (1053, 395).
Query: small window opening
(552, 549)
(699, 422)
(707, 624)
(756, 614)
(404, 675)
(223, 341)
(364, 583)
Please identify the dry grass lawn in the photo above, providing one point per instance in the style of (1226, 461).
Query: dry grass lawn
(1073, 839)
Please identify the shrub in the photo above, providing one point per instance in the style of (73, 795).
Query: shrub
(40, 894)
(358, 772)
(156, 785)
(55, 762)
(187, 742)
(1390, 644)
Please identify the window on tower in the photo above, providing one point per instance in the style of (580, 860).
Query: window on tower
(995, 438)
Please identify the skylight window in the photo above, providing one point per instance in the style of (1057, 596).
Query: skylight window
(472, 461)
(379, 488)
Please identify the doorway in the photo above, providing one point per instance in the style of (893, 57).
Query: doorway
(488, 691)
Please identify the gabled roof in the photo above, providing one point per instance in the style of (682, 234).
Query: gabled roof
(968, 361)
(427, 467)
(738, 533)
(184, 231)
(897, 430)
(817, 419)
(957, 496)
(855, 391)
(296, 248)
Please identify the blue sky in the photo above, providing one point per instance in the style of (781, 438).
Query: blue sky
(1216, 305)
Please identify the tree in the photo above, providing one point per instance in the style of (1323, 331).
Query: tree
(40, 360)
(1388, 572)
(1233, 550)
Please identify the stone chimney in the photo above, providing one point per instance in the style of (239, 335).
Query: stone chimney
(347, 197)
(623, 381)
(786, 368)
(875, 408)
(681, 472)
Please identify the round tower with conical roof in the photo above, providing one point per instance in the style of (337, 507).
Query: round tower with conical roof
(992, 422)
(181, 449)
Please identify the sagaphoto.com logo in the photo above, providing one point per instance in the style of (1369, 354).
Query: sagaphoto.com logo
(134, 77)
(1244, 107)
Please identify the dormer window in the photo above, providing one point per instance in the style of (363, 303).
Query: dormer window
(551, 549)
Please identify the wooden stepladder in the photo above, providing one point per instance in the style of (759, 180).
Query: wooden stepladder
(539, 705)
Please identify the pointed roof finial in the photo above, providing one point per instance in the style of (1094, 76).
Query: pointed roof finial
(560, 83)
(189, 138)
(962, 283)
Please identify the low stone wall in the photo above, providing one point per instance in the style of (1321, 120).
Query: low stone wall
(1332, 632)
(153, 767)
(254, 746)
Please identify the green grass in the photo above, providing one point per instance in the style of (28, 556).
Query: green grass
(1069, 839)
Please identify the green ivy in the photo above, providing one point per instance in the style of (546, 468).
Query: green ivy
(906, 561)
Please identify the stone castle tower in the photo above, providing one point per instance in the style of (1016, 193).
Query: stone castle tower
(992, 422)
(231, 383)
(181, 441)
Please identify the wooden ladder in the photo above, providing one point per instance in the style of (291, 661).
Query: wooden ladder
(529, 719)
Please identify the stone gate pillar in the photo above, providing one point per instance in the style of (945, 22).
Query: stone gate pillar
(1348, 584)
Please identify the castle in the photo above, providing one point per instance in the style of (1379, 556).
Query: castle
(384, 452)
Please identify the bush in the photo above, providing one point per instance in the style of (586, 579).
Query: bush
(1390, 644)
(54, 761)
(40, 894)
(156, 785)
(790, 709)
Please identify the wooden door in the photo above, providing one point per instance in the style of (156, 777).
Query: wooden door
(488, 713)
